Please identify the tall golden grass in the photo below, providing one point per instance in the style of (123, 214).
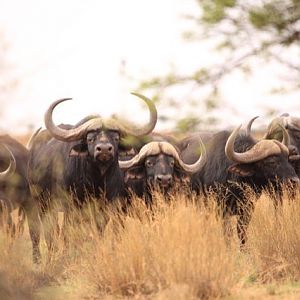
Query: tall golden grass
(176, 250)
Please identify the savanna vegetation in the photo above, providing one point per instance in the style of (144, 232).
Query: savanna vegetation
(177, 250)
(243, 37)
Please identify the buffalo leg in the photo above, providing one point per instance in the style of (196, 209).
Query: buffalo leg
(6, 220)
(51, 229)
(227, 228)
(21, 221)
(65, 227)
(11, 228)
(34, 225)
(243, 220)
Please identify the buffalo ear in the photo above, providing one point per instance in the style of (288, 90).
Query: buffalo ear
(135, 173)
(79, 150)
(242, 170)
(182, 176)
(126, 154)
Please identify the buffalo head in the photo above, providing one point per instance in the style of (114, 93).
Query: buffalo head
(266, 159)
(99, 137)
(159, 164)
(292, 125)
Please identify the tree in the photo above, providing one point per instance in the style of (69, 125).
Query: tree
(245, 32)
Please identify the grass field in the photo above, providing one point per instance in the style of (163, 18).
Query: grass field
(175, 251)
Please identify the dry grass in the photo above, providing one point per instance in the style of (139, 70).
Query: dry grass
(175, 251)
(275, 240)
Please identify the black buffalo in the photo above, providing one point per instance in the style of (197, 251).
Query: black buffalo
(79, 161)
(189, 146)
(292, 125)
(157, 165)
(236, 161)
(14, 188)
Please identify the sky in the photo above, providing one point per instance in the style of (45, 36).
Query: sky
(76, 48)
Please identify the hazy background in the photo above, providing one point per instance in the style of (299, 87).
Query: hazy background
(99, 51)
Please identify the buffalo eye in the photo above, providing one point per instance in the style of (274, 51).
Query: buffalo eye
(115, 136)
(172, 162)
(90, 139)
(149, 163)
(272, 163)
(297, 137)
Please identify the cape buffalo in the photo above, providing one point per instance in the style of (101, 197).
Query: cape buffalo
(79, 161)
(292, 125)
(157, 164)
(189, 146)
(14, 188)
(236, 160)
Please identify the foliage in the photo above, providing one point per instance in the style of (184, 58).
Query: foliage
(245, 33)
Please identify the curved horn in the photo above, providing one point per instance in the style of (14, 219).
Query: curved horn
(274, 130)
(259, 151)
(30, 142)
(198, 165)
(285, 136)
(11, 168)
(76, 133)
(146, 129)
(249, 125)
(66, 135)
(277, 130)
(146, 150)
(87, 118)
(229, 147)
(154, 148)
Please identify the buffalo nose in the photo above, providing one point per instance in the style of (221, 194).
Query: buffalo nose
(104, 148)
(164, 179)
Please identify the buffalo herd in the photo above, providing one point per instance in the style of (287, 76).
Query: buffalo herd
(111, 159)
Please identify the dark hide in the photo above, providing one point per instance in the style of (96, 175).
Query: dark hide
(295, 149)
(79, 169)
(228, 179)
(14, 191)
(275, 132)
(72, 166)
(154, 172)
(189, 147)
(136, 178)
